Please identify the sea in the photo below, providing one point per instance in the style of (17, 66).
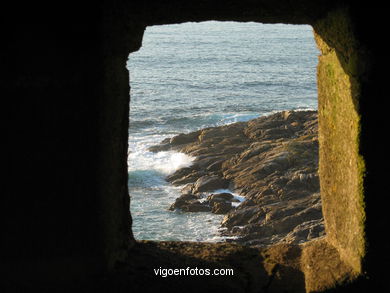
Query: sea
(190, 76)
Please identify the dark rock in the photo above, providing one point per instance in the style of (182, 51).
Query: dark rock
(220, 197)
(187, 179)
(210, 183)
(189, 203)
(182, 201)
(196, 207)
(221, 207)
(243, 216)
(187, 189)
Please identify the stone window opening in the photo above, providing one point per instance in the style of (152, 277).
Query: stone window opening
(338, 257)
(279, 150)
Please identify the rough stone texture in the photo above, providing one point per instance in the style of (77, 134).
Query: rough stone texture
(341, 165)
(323, 267)
(272, 161)
(65, 166)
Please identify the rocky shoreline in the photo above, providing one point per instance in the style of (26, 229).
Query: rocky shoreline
(266, 170)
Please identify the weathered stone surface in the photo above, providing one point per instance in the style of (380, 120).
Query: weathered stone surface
(183, 139)
(219, 197)
(189, 203)
(221, 207)
(210, 183)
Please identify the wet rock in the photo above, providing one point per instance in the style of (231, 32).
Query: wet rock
(190, 203)
(196, 207)
(183, 201)
(219, 197)
(187, 189)
(210, 183)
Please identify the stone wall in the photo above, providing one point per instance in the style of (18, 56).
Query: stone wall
(341, 165)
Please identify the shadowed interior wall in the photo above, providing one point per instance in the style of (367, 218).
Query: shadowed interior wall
(66, 87)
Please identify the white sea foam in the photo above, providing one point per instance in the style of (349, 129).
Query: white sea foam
(164, 162)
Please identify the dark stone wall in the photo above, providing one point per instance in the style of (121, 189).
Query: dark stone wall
(64, 88)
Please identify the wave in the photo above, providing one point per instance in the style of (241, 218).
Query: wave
(164, 163)
(240, 117)
(144, 179)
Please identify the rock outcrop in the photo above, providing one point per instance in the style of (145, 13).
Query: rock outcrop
(271, 161)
